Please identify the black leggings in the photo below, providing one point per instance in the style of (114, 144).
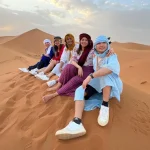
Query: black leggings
(89, 91)
(38, 65)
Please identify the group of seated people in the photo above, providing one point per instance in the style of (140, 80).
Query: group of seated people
(86, 71)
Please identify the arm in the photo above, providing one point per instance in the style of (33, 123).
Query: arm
(75, 64)
(110, 52)
(61, 64)
(74, 60)
(63, 59)
(111, 67)
(51, 54)
(47, 55)
(80, 71)
(101, 72)
(60, 54)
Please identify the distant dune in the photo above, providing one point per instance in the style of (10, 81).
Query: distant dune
(132, 46)
(4, 39)
(30, 42)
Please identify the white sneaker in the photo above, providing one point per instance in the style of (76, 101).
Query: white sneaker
(36, 69)
(23, 69)
(42, 77)
(103, 117)
(33, 71)
(38, 76)
(72, 130)
(51, 83)
(41, 73)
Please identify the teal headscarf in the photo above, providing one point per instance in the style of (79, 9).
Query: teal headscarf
(101, 39)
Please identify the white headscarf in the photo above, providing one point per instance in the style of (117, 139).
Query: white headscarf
(47, 41)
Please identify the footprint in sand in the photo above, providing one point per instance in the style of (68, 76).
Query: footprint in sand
(26, 86)
(144, 82)
(26, 121)
(131, 66)
(28, 99)
(11, 102)
(4, 114)
(10, 87)
(28, 146)
(140, 120)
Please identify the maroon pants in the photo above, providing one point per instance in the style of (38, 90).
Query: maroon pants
(70, 80)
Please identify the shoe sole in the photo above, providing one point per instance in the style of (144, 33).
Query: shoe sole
(67, 136)
(32, 74)
(39, 78)
(23, 71)
(102, 124)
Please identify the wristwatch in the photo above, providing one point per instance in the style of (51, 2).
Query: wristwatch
(91, 75)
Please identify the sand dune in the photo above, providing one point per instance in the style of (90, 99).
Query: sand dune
(133, 46)
(28, 124)
(30, 42)
(10, 59)
(135, 67)
(6, 39)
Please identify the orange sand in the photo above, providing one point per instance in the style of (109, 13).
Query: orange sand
(28, 124)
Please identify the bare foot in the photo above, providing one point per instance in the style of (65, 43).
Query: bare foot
(46, 98)
(50, 75)
(51, 89)
(54, 88)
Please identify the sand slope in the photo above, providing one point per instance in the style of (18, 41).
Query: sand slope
(28, 124)
(135, 67)
(6, 39)
(133, 46)
(30, 42)
(10, 60)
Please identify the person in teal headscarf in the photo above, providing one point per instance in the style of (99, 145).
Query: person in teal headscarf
(96, 90)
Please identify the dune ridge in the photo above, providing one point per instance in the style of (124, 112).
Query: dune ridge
(4, 39)
(131, 45)
(30, 42)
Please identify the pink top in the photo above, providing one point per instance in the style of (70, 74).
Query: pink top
(89, 60)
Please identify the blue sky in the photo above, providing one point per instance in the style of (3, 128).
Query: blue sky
(124, 21)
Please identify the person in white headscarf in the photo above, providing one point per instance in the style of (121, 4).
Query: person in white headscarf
(45, 59)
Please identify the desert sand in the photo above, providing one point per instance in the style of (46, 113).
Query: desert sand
(26, 123)
(5, 39)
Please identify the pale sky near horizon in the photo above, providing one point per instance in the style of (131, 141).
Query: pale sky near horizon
(122, 20)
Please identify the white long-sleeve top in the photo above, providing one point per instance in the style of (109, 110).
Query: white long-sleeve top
(65, 57)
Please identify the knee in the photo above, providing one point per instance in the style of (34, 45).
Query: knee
(70, 67)
(79, 93)
(53, 62)
(106, 89)
(76, 81)
(58, 65)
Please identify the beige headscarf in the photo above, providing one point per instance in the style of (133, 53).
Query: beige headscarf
(70, 47)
